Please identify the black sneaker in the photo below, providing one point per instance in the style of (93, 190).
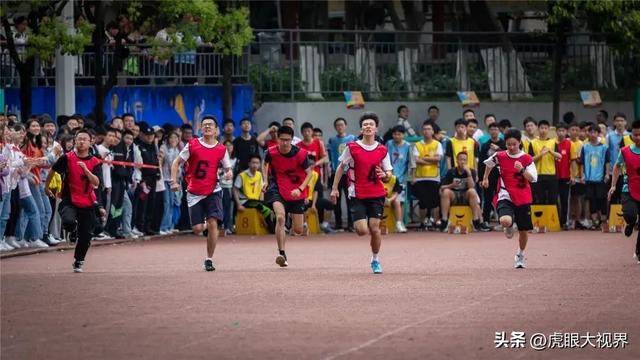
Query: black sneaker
(483, 227)
(208, 265)
(71, 237)
(628, 230)
(205, 232)
(444, 224)
(77, 266)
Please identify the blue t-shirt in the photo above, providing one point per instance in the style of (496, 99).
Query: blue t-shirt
(613, 142)
(337, 144)
(620, 163)
(443, 161)
(399, 155)
(593, 159)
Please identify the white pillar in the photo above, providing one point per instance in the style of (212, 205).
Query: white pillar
(65, 71)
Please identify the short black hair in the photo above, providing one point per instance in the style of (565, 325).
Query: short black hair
(318, 130)
(574, 124)
(398, 128)
(543, 123)
(285, 130)
(594, 127)
(127, 132)
(183, 126)
(274, 123)
(562, 126)
(339, 119)
(369, 116)
(604, 113)
(83, 131)
(474, 120)
(569, 117)
(401, 107)
(254, 156)
(244, 119)
(619, 114)
(209, 117)
(635, 124)
(288, 118)
(112, 25)
(469, 110)
(584, 124)
(527, 120)
(128, 114)
(306, 125)
(513, 134)
(460, 121)
(227, 121)
(432, 107)
(19, 19)
(488, 116)
(493, 125)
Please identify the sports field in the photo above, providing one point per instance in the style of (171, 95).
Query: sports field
(440, 297)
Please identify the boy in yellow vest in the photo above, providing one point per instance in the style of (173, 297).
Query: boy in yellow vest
(461, 142)
(247, 191)
(425, 178)
(545, 152)
(530, 133)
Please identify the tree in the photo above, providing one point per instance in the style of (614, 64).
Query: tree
(46, 33)
(615, 22)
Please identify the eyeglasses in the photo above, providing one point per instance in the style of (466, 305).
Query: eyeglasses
(204, 125)
(285, 140)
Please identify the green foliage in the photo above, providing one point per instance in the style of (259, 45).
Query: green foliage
(336, 79)
(274, 83)
(619, 20)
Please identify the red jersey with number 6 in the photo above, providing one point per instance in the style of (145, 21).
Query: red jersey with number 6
(513, 180)
(202, 167)
(80, 188)
(289, 171)
(365, 179)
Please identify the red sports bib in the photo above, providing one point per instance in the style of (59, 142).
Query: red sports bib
(202, 167)
(363, 173)
(289, 172)
(632, 164)
(514, 182)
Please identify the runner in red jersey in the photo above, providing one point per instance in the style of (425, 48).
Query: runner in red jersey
(628, 165)
(513, 195)
(203, 157)
(314, 147)
(288, 172)
(369, 165)
(78, 207)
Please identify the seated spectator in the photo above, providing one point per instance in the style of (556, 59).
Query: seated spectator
(393, 201)
(247, 191)
(323, 207)
(458, 188)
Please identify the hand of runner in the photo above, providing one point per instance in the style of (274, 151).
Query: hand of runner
(612, 190)
(334, 196)
(382, 175)
(83, 166)
(518, 165)
(295, 193)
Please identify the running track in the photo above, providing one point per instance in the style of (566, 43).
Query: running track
(441, 297)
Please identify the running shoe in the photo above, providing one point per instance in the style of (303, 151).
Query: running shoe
(508, 232)
(282, 261)
(628, 230)
(375, 266)
(208, 265)
(77, 266)
(400, 227)
(519, 261)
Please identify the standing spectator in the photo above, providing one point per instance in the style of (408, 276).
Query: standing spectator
(186, 60)
(288, 121)
(129, 121)
(488, 120)
(425, 179)
(490, 147)
(244, 145)
(433, 115)
(400, 155)
(337, 144)
(563, 169)
(314, 147)
(614, 139)
(545, 153)
(228, 128)
(147, 193)
(577, 186)
(461, 142)
(170, 153)
(530, 130)
(472, 129)
(187, 134)
(227, 191)
(594, 157)
(403, 120)
(272, 132)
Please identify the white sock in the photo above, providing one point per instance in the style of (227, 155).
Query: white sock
(209, 259)
(325, 223)
(375, 257)
(520, 252)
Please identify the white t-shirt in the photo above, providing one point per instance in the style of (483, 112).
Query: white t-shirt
(477, 135)
(531, 169)
(193, 199)
(348, 160)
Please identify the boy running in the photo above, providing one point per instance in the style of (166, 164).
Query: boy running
(369, 165)
(204, 194)
(514, 198)
(288, 171)
(79, 170)
(628, 164)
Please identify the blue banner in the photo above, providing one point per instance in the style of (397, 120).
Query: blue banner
(156, 105)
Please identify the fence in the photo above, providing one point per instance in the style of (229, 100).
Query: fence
(321, 64)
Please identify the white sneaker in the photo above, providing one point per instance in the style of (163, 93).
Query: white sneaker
(165, 232)
(38, 244)
(130, 235)
(519, 261)
(137, 232)
(400, 227)
(508, 232)
(53, 240)
(101, 237)
(22, 244)
(174, 231)
(5, 247)
(11, 241)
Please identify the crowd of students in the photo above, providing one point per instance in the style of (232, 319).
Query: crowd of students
(574, 162)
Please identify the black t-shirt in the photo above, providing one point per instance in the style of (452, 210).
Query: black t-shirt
(242, 149)
(458, 179)
(486, 152)
(61, 166)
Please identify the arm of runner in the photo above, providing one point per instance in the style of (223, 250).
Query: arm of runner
(490, 163)
(336, 182)
(175, 166)
(615, 176)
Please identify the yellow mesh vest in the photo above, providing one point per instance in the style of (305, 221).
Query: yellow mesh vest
(430, 170)
(312, 184)
(251, 186)
(467, 146)
(389, 185)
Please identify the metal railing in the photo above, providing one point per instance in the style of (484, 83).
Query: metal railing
(321, 64)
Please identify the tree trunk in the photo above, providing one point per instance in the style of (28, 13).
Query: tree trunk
(557, 74)
(98, 43)
(227, 87)
(26, 77)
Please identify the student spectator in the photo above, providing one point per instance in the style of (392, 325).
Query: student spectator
(403, 120)
(337, 144)
(247, 191)
(391, 201)
(504, 126)
(169, 152)
(614, 139)
(425, 178)
(228, 129)
(227, 191)
(272, 133)
(433, 114)
(315, 148)
(244, 145)
(530, 132)
(490, 147)
(292, 124)
(545, 153)
(146, 191)
(577, 186)
(401, 160)
(472, 129)
(462, 143)
(594, 157)
(563, 170)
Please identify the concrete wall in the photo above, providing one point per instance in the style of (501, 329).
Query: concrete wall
(322, 114)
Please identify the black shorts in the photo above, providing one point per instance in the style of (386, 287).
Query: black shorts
(209, 207)
(595, 190)
(292, 207)
(460, 197)
(367, 208)
(427, 193)
(521, 215)
(577, 189)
